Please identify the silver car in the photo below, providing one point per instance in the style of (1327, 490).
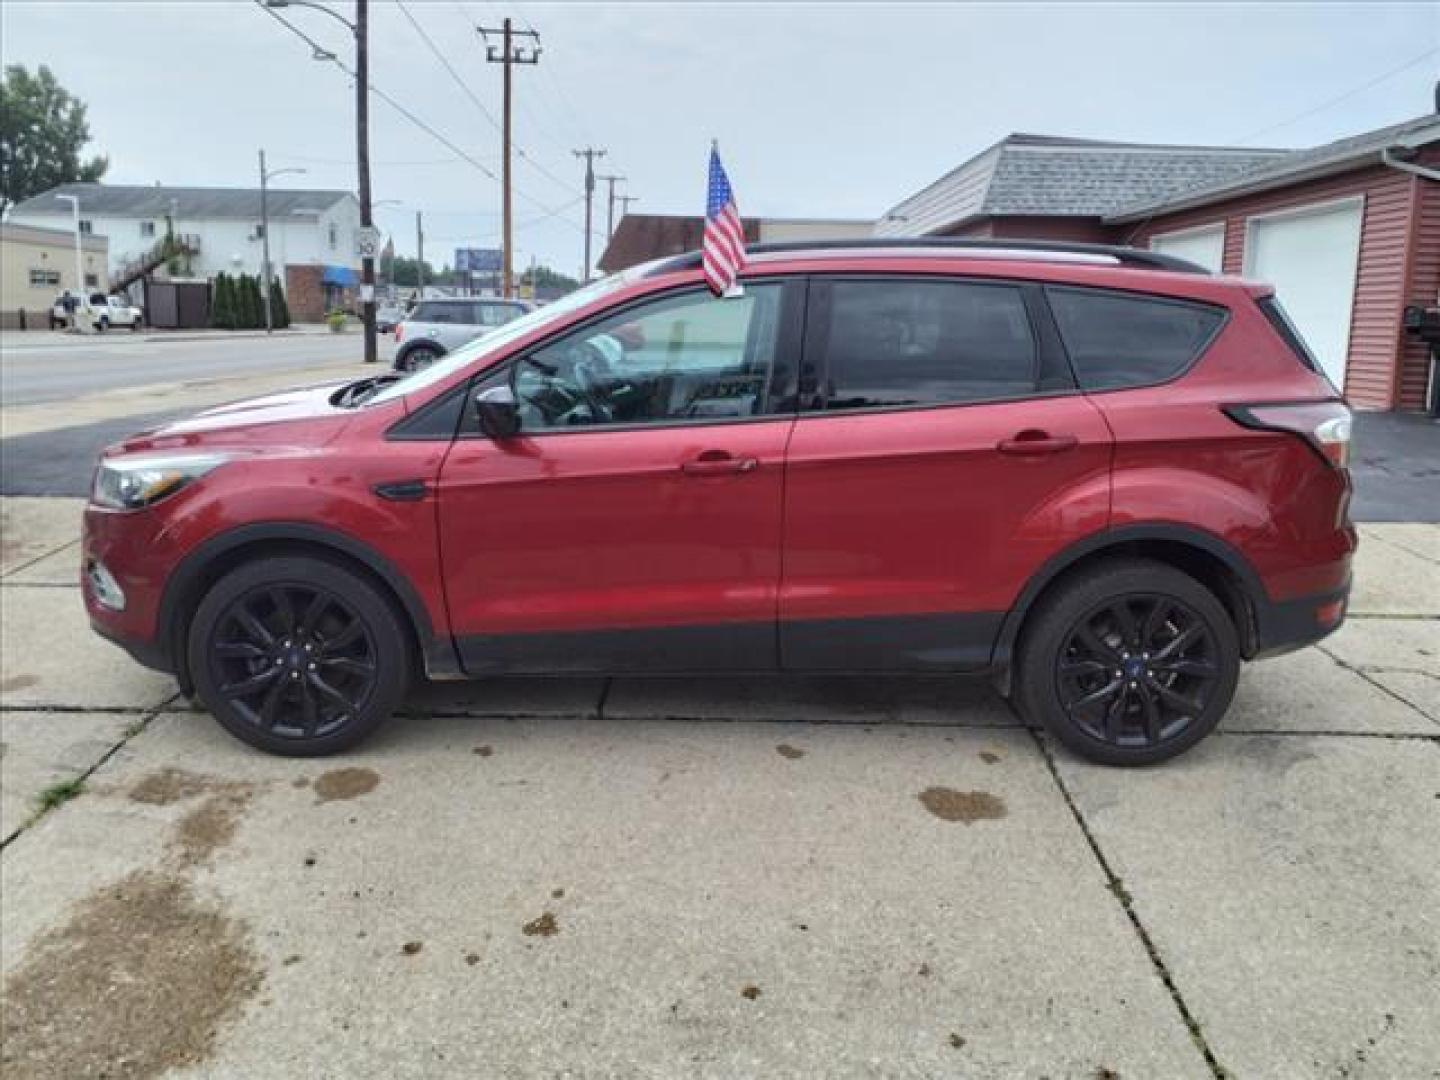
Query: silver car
(437, 326)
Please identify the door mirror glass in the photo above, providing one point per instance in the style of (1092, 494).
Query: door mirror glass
(495, 410)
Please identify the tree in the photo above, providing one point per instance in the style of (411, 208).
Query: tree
(42, 131)
(402, 272)
(222, 303)
(247, 307)
(545, 278)
(279, 310)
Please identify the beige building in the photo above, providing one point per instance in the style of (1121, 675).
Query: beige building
(37, 265)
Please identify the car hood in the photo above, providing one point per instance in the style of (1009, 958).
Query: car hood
(274, 418)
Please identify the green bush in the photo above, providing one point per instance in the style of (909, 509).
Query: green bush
(222, 303)
(249, 314)
(279, 310)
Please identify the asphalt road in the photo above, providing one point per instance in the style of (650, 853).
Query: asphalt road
(36, 368)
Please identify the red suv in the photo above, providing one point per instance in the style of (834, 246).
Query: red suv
(1102, 475)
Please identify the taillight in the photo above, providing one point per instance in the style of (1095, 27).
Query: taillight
(399, 333)
(1324, 425)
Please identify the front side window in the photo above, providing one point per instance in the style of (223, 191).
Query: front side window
(687, 357)
(893, 343)
(494, 314)
(1118, 340)
(435, 313)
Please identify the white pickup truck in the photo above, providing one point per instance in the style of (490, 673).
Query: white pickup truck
(102, 312)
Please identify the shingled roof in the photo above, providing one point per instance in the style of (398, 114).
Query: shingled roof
(1046, 176)
(139, 200)
(1342, 154)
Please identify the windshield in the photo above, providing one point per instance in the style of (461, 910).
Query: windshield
(503, 336)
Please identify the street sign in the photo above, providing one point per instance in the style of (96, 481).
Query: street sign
(477, 260)
(367, 242)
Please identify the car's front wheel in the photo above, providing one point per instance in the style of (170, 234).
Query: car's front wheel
(1128, 663)
(298, 655)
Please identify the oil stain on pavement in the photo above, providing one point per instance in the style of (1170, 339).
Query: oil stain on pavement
(345, 784)
(966, 807)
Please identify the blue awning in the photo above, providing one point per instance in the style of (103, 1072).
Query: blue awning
(339, 275)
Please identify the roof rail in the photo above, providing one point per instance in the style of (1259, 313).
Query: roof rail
(1125, 256)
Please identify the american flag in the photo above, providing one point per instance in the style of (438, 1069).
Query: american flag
(724, 242)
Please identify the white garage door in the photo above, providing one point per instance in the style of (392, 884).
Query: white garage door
(1205, 246)
(1311, 256)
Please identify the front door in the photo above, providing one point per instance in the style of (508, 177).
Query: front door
(945, 456)
(634, 521)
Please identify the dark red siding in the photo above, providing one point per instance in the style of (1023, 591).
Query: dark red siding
(1383, 369)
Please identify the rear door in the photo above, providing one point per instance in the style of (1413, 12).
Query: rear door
(941, 456)
(634, 522)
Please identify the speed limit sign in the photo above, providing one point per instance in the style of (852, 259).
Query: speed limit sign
(367, 242)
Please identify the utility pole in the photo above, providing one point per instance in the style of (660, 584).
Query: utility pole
(625, 201)
(419, 259)
(610, 206)
(589, 154)
(264, 236)
(362, 153)
(508, 54)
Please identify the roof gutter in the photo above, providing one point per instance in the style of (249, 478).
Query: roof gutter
(1387, 157)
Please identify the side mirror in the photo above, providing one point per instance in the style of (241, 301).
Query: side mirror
(495, 410)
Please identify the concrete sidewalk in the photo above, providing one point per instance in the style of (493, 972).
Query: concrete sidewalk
(782, 877)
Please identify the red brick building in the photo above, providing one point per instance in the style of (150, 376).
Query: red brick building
(1348, 232)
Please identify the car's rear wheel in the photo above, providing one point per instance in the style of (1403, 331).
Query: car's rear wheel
(298, 655)
(422, 356)
(1128, 663)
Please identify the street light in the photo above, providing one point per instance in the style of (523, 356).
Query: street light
(265, 178)
(358, 30)
(74, 201)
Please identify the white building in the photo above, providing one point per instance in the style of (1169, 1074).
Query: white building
(307, 227)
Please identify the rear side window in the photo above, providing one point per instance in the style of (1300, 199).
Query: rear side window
(896, 343)
(436, 313)
(1278, 318)
(1117, 340)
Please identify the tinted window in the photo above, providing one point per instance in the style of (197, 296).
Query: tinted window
(684, 357)
(891, 343)
(432, 313)
(1117, 340)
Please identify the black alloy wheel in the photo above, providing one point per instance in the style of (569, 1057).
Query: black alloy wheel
(1137, 670)
(1128, 662)
(422, 356)
(294, 661)
(299, 655)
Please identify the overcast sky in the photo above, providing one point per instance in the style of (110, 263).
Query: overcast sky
(822, 110)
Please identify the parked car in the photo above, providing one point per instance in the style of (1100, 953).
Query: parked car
(61, 309)
(107, 311)
(436, 327)
(1102, 476)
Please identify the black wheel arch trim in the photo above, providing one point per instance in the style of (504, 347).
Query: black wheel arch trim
(436, 652)
(410, 346)
(1257, 601)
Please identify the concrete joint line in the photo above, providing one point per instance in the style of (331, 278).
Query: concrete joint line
(1381, 686)
(38, 558)
(130, 733)
(1117, 888)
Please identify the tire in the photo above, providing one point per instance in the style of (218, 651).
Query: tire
(339, 670)
(134, 326)
(422, 356)
(1128, 663)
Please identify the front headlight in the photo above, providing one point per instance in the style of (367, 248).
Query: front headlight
(131, 483)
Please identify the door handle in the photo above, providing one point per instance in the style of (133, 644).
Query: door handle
(718, 463)
(1033, 442)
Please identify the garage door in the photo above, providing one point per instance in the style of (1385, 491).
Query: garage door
(1311, 256)
(1204, 246)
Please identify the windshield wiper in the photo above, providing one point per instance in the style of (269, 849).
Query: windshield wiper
(362, 390)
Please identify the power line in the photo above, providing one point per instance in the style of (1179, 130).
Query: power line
(475, 99)
(1343, 97)
(321, 53)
